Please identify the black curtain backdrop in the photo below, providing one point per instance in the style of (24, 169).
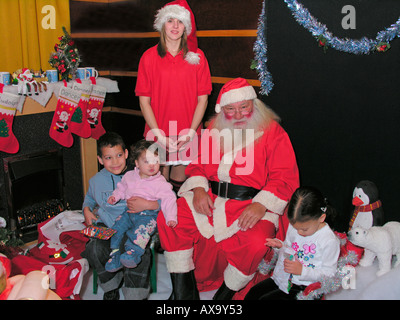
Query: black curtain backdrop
(340, 110)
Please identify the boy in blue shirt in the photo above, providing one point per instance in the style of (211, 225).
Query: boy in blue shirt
(112, 154)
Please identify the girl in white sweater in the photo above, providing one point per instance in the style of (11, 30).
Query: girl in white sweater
(309, 252)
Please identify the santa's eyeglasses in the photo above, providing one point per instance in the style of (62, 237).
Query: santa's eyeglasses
(243, 110)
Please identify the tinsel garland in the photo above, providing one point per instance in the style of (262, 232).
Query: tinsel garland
(320, 31)
(266, 267)
(260, 54)
(331, 284)
(324, 37)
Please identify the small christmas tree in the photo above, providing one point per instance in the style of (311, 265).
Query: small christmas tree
(3, 129)
(66, 59)
(77, 116)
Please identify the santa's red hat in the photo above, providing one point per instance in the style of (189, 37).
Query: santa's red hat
(179, 9)
(233, 91)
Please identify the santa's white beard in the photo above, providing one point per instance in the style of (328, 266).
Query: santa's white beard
(233, 136)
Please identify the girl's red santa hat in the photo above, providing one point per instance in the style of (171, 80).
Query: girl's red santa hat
(233, 91)
(179, 9)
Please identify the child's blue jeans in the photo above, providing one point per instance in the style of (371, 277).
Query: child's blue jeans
(139, 227)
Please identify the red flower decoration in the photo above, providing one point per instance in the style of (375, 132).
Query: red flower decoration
(382, 47)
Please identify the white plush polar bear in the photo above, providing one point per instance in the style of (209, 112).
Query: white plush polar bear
(381, 242)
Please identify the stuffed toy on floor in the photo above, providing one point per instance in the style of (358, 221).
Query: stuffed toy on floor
(381, 242)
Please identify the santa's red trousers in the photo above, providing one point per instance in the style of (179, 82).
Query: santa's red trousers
(242, 251)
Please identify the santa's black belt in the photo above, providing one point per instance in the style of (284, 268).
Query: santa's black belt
(233, 191)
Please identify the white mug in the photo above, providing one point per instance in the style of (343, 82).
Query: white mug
(91, 72)
(5, 78)
(52, 75)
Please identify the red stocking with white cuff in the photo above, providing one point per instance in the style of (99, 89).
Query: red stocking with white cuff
(60, 129)
(94, 110)
(8, 108)
(79, 124)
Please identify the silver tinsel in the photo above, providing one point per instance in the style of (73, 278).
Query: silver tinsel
(331, 284)
(318, 30)
(260, 51)
(266, 267)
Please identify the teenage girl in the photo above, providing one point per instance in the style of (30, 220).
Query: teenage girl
(173, 85)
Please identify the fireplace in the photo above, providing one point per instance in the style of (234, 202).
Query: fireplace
(34, 190)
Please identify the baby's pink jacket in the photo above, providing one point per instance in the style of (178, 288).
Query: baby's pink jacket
(152, 188)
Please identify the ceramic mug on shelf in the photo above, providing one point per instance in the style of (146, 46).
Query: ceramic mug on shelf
(52, 75)
(5, 78)
(81, 73)
(86, 73)
(91, 72)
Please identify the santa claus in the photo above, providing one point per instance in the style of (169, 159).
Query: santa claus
(232, 200)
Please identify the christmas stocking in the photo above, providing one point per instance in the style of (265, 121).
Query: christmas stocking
(94, 110)
(79, 124)
(60, 129)
(8, 107)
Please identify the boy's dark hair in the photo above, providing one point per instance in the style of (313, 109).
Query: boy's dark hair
(139, 147)
(308, 203)
(109, 139)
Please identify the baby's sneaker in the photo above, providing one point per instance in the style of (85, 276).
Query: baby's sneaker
(114, 264)
(128, 259)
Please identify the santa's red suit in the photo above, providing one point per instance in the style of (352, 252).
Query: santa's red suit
(215, 247)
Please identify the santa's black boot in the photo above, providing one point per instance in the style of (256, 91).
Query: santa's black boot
(184, 286)
(224, 293)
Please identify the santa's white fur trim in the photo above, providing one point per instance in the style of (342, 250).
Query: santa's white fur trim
(201, 220)
(272, 217)
(221, 230)
(270, 201)
(179, 261)
(193, 182)
(236, 95)
(192, 57)
(235, 279)
(228, 158)
(173, 11)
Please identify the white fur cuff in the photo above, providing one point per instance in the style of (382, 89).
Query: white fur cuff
(235, 279)
(179, 261)
(193, 182)
(270, 201)
(272, 217)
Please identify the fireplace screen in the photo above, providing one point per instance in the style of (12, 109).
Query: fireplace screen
(35, 190)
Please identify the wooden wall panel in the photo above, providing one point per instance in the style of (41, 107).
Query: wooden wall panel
(222, 54)
(226, 14)
(126, 97)
(138, 15)
(112, 35)
(229, 57)
(123, 16)
(113, 54)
